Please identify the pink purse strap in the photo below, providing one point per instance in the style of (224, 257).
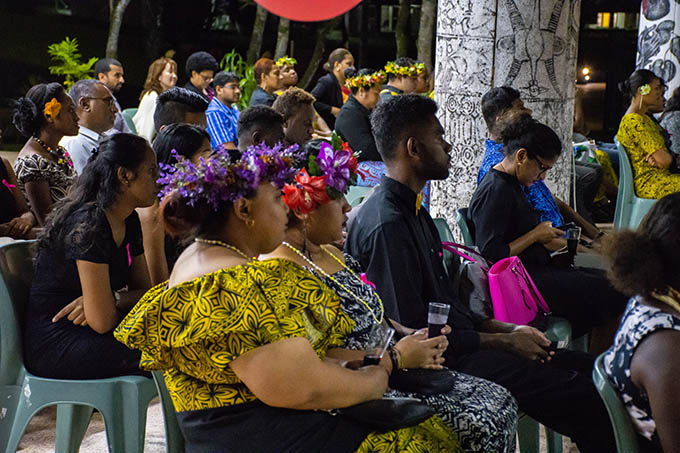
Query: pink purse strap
(453, 248)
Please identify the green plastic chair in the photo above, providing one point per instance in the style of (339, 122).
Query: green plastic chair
(626, 438)
(356, 195)
(464, 226)
(122, 401)
(173, 434)
(629, 208)
(127, 116)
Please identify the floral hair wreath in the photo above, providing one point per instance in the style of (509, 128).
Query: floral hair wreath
(408, 71)
(286, 61)
(225, 177)
(52, 108)
(366, 80)
(325, 176)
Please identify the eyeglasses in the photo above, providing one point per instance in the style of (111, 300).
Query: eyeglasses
(109, 100)
(206, 78)
(541, 166)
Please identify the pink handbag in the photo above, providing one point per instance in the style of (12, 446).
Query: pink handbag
(514, 295)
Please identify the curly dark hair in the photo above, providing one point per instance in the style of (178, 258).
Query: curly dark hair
(496, 101)
(647, 259)
(288, 103)
(201, 61)
(27, 115)
(258, 116)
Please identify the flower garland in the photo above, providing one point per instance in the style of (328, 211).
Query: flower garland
(326, 175)
(286, 61)
(226, 177)
(408, 71)
(366, 80)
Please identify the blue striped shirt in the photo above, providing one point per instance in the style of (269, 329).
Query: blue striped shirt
(222, 123)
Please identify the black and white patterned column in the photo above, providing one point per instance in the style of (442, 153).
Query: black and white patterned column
(530, 45)
(659, 40)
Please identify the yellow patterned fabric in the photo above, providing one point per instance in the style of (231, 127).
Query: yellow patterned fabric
(641, 137)
(431, 436)
(610, 182)
(192, 331)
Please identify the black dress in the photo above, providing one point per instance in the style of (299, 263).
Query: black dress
(8, 205)
(328, 94)
(354, 126)
(62, 349)
(501, 213)
(261, 97)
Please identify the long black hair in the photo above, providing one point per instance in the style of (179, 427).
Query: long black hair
(97, 185)
(28, 112)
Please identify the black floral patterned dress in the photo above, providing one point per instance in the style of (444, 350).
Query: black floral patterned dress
(35, 167)
(481, 413)
(639, 320)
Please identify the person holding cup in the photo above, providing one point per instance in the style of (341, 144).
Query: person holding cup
(481, 413)
(506, 225)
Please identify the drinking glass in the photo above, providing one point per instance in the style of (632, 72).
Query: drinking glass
(437, 315)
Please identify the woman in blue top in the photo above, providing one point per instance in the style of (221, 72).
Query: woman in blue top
(643, 364)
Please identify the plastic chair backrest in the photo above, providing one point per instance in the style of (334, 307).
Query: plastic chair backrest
(626, 438)
(465, 227)
(127, 116)
(626, 192)
(357, 194)
(16, 273)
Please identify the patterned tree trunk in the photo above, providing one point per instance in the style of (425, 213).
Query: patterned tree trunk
(530, 45)
(659, 40)
(116, 12)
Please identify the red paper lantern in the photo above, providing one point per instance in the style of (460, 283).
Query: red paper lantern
(308, 10)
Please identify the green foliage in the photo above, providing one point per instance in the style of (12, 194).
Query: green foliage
(233, 62)
(66, 57)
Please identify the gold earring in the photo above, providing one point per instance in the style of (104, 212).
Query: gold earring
(250, 223)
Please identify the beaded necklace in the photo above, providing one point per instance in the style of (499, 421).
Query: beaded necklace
(325, 274)
(222, 244)
(60, 154)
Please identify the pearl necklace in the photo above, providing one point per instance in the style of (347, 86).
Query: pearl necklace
(222, 244)
(330, 277)
(60, 154)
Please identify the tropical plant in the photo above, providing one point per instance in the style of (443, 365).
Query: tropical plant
(67, 61)
(234, 62)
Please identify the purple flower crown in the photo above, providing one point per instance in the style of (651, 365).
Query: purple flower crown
(226, 176)
(337, 162)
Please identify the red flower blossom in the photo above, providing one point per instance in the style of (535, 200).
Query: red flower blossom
(307, 193)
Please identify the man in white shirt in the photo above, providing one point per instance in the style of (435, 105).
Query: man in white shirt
(97, 110)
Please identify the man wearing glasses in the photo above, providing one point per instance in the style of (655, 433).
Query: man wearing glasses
(96, 108)
(201, 68)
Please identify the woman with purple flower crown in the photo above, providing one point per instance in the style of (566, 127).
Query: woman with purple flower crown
(242, 343)
(482, 414)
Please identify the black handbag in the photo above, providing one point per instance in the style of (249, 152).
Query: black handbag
(387, 414)
(422, 381)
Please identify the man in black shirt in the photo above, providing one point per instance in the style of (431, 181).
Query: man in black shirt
(398, 246)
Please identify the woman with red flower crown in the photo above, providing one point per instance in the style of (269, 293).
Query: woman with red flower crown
(481, 413)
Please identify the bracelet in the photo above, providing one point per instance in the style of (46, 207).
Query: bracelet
(394, 357)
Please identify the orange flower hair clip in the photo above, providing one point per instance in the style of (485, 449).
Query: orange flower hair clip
(52, 108)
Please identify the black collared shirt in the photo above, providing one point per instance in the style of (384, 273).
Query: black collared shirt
(261, 97)
(354, 126)
(401, 254)
(389, 91)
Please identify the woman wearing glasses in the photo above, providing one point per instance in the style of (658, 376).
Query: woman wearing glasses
(505, 224)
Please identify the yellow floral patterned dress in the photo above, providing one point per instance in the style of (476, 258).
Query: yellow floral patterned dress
(192, 332)
(641, 137)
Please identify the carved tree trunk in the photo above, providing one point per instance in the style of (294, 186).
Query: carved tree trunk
(282, 38)
(428, 16)
(401, 30)
(116, 12)
(256, 38)
(319, 48)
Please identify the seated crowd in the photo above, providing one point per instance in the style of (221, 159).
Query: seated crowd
(215, 246)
